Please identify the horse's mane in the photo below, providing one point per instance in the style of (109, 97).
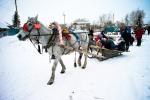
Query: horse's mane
(44, 28)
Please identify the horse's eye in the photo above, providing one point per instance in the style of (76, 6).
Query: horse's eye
(30, 24)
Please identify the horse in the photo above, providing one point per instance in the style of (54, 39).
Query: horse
(40, 34)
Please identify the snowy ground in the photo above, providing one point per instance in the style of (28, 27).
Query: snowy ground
(24, 75)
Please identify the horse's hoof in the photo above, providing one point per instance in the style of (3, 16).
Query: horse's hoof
(62, 72)
(75, 65)
(83, 67)
(50, 83)
(53, 57)
(79, 64)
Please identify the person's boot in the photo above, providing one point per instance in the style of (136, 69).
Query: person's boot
(127, 49)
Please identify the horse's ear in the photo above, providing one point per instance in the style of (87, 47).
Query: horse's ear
(36, 17)
(28, 18)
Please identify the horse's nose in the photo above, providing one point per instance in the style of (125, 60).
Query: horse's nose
(19, 36)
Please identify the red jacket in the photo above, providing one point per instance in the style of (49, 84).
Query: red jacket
(97, 38)
(139, 32)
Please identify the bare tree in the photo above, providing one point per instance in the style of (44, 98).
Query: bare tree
(106, 19)
(127, 19)
(136, 17)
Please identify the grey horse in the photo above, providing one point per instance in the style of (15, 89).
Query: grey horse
(39, 34)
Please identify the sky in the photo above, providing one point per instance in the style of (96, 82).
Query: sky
(53, 10)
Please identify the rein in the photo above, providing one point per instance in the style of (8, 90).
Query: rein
(37, 48)
(50, 42)
(38, 36)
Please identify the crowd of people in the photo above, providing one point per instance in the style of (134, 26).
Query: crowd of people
(125, 41)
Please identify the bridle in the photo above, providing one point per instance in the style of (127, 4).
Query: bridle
(37, 26)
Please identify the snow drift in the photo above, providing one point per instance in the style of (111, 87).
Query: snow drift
(24, 74)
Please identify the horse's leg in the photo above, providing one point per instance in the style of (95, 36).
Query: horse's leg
(89, 48)
(85, 61)
(75, 64)
(63, 66)
(53, 72)
(79, 59)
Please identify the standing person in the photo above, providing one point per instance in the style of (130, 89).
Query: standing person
(131, 40)
(138, 34)
(91, 39)
(148, 29)
(126, 35)
(91, 36)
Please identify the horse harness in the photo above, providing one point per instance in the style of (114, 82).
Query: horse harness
(51, 41)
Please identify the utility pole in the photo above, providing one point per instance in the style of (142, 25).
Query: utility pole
(113, 18)
(16, 21)
(16, 6)
(64, 18)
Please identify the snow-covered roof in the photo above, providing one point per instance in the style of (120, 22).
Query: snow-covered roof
(80, 31)
(81, 21)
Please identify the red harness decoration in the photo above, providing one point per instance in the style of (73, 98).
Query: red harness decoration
(25, 27)
(37, 26)
(67, 36)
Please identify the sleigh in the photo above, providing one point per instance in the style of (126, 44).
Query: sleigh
(98, 52)
(103, 53)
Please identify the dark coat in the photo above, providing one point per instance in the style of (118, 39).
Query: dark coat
(126, 34)
(91, 32)
(109, 44)
(121, 46)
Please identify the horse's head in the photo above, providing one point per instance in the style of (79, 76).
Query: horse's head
(30, 29)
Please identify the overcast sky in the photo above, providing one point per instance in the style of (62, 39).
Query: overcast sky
(52, 10)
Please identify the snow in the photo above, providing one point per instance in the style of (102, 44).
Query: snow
(24, 75)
